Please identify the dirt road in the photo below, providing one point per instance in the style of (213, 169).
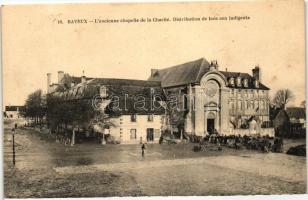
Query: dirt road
(48, 169)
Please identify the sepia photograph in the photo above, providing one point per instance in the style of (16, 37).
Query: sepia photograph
(154, 99)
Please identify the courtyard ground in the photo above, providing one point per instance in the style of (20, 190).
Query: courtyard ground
(48, 169)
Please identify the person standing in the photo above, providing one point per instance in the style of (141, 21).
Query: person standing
(142, 149)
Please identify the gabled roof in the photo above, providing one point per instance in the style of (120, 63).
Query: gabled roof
(281, 118)
(190, 72)
(296, 112)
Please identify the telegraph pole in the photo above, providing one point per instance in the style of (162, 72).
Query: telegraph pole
(13, 141)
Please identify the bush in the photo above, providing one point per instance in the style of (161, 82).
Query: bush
(111, 140)
(297, 150)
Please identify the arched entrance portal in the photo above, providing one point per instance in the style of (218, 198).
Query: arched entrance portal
(211, 100)
(210, 121)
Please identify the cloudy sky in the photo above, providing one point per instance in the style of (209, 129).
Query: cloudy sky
(35, 44)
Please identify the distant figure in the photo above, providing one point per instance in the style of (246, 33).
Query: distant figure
(142, 149)
(15, 125)
(161, 139)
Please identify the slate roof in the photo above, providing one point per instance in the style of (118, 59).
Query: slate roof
(192, 72)
(125, 89)
(65, 82)
(229, 75)
(296, 112)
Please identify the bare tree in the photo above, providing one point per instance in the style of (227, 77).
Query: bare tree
(282, 97)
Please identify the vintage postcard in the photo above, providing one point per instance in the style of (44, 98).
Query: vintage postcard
(154, 99)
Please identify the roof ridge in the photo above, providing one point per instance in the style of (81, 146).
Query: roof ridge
(179, 65)
(124, 79)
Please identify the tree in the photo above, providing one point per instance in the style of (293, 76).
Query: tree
(78, 113)
(35, 106)
(282, 97)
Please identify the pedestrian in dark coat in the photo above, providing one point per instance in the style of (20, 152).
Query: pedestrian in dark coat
(142, 149)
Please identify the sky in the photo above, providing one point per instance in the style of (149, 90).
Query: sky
(34, 44)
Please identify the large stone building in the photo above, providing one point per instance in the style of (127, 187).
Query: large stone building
(197, 95)
(214, 99)
(127, 103)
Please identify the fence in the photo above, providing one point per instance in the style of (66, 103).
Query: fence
(261, 131)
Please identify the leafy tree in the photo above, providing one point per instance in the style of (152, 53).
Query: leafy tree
(282, 97)
(35, 106)
(73, 112)
(79, 113)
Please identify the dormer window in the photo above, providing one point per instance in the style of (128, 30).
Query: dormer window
(246, 82)
(239, 81)
(231, 81)
(256, 83)
(103, 91)
(152, 91)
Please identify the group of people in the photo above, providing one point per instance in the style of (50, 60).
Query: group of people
(62, 139)
(262, 143)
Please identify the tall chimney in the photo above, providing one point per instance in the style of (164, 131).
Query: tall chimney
(60, 76)
(256, 73)
(83, 79)
(48, 82)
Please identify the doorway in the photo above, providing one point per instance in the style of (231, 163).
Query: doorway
(150, 134)
(210, 126)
